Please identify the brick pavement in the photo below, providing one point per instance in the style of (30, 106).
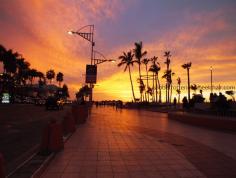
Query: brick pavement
(122, 144)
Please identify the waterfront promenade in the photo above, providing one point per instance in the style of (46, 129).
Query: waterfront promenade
(132, 143)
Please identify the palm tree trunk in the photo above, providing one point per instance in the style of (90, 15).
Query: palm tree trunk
(159, 88)
(166, 93)
(147, 84)
(153, 96)
(188, 85)
(131, 84)
(156, 86)
(170, 92)
(179, 94)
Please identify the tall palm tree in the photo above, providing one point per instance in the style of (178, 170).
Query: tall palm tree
(139, 54)
(153, 60)
(59, 78)
(178, 90)
(127, 60)
(50, 75)
(187, 66)
(168, 75)
(145, 62)
(155, 68)
(167, 62)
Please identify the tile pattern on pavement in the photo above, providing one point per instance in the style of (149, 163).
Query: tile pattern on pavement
(109, 146)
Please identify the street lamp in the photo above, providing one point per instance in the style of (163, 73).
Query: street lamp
(211, 69)
(88, 35)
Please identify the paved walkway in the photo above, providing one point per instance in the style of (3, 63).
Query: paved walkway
(131, 143)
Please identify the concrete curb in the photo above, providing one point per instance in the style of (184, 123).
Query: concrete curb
(204, 121)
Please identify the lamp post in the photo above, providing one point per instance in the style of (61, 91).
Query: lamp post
(94, 61)
(89, 37)
(211, 69)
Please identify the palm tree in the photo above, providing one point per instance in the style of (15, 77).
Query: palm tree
(187, 66)
(168, 76)
(145, 62)
(50, 75)
(9, 62)
(153, 60)
(178, 90)
(167, 62)
(32, 74)
(139, 54)
(127, 60)
(155, 68)
(59, 78)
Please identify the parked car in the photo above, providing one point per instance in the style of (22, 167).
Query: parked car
(54, 103)
(40, 101)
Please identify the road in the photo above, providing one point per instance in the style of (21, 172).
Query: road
(20, 130)
(138, 143)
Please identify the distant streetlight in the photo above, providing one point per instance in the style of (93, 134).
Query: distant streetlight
(211, 69)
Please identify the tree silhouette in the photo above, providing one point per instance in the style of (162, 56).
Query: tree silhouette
(139, 54)
(178, 90)
(155, 68)
(187, 66)
(127, 60)
(65, 91)
(59, 78)
(145, 62)
(50, 75)
(168, 76)
(231, 93)
(194, 87)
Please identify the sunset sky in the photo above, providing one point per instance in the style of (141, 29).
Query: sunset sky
(203, 32)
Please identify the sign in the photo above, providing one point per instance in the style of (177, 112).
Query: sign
(5, 98)
(91, 74)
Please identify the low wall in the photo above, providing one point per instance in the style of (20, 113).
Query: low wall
(205, 121)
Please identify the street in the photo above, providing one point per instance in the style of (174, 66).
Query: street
(20, 130)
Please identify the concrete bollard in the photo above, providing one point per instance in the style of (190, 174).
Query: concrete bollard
(56, 137)
(80, 113)
(2, 167)
(52, 138)
(69, 124)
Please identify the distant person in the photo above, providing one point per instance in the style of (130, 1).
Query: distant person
(185, 102)
(175, 101)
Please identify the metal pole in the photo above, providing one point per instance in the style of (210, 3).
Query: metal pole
(91, 85)
(211, 80)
